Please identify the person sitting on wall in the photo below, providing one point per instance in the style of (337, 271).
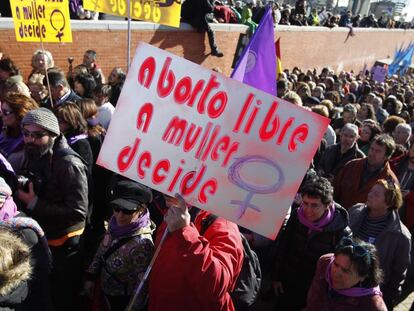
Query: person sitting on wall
(199, 13)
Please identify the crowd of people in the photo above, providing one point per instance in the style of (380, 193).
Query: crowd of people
(200, 13)
(250, 12)
(75, 236)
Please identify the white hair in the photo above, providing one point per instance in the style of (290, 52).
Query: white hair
(406, 127)
(351, 128)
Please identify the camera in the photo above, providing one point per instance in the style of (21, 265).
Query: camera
(70, 60)
(26, 178)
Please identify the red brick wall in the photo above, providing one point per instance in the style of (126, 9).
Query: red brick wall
(304, 47)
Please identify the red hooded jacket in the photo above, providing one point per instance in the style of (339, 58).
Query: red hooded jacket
(194, 272)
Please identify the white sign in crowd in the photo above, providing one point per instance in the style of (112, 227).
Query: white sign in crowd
(227, 147)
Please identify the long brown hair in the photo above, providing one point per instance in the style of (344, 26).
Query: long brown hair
(89, 110)
(70, 113)
(19, 104)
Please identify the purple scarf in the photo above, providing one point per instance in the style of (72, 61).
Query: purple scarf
(318, 225)
(353, 291)
(9, 209)
(9, 145)
(74, 139)
(117, 231)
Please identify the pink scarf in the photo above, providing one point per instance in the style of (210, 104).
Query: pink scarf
(9, 209)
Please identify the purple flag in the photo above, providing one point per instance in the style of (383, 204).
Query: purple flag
(257, 65)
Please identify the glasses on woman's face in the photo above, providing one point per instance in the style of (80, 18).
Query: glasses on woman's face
(6, 113)
(123, 211)
(358, 250)
(34, 135)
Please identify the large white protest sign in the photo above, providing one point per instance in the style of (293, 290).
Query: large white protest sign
(229, 148)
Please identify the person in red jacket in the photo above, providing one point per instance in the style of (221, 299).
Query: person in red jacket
(354, 181)
(194, 272)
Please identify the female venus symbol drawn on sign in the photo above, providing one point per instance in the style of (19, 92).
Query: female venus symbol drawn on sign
(56, 19)
(234, 175)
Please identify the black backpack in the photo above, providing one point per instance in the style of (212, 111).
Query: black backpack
(250, 277)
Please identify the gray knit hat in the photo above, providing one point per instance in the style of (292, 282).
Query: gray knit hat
(43, 118)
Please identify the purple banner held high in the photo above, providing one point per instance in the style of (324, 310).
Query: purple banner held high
(257, 65)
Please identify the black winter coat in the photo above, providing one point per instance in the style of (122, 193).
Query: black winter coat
(14, 301)
(333, 161)
(62, 203)
(298, 250)
(194, 12)
(39, 297)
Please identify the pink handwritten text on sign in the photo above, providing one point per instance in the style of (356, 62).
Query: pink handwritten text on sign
(229, 148)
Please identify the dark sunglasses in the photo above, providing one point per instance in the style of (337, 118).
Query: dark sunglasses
(358, 250)
(34, 135)
(123, 211)
(7, 113)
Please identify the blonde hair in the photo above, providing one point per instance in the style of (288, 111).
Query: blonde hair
(393, 195)
(321, 109)
(36, 78)
(328, 104)
(293, 98)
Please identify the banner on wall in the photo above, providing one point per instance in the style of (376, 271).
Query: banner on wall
(227, 147)
(165, 12)
(41, 20)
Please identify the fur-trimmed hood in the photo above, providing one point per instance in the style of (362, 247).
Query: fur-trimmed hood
(15, 265)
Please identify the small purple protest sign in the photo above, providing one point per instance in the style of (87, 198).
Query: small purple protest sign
(379, 74)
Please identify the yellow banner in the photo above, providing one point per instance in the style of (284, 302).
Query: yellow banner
(166, 12)
(45, 19)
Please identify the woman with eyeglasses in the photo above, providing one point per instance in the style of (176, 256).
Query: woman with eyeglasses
(126, 249)
(14, 107)
(347, 280)
(377, 222)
